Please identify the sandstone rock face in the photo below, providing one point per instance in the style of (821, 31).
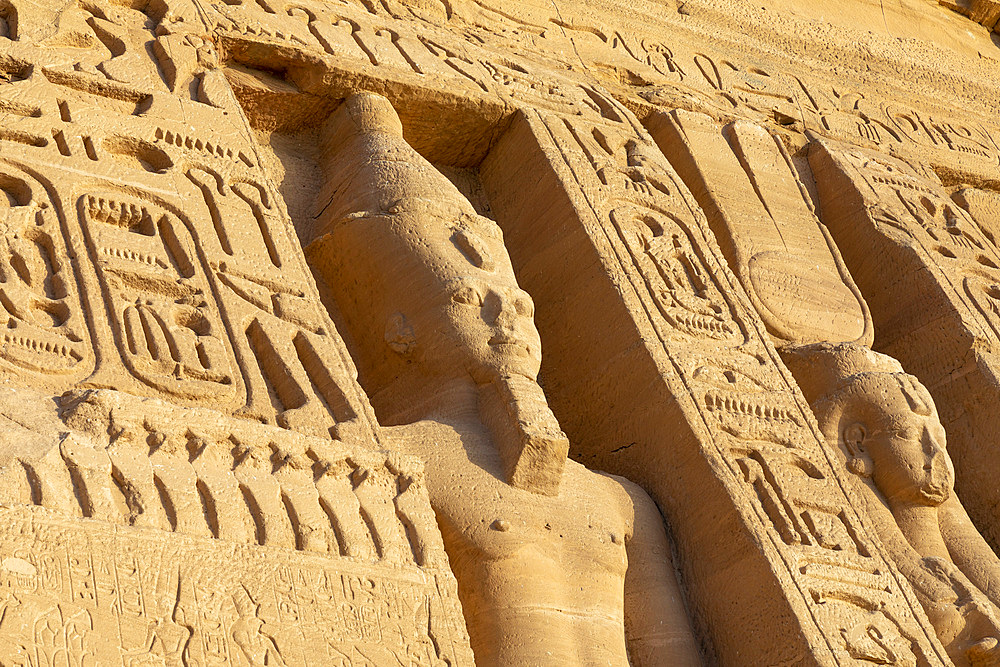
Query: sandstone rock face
(469, 332)
(985, 12)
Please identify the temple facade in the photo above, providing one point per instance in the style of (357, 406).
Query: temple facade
(479, 332)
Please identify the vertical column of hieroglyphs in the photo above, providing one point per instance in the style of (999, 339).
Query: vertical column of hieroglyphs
(879, 423)
(640, 316)
(125, 152)
(929, 274)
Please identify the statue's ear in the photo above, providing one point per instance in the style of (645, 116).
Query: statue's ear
(399, 334)
(858, 460)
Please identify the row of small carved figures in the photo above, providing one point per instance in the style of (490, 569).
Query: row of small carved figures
(365, 505)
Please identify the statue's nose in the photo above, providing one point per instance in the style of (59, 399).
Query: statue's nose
(506, 309)
(934, 442)
(507, 317)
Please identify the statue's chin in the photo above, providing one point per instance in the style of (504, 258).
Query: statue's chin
(935, 493)
(937, 487)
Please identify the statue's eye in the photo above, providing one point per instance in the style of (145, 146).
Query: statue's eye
(468, 296)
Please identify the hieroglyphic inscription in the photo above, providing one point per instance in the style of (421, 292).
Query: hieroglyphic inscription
(350, 36)
(187, 280)
(915, 205)
(653, 63)
(86, 566)
(712, 352)
(156, 294)
(906, 212)
(148, 463)
(45, 333)
(759, 424)
(86, 593)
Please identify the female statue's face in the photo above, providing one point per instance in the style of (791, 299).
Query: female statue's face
(908, 452)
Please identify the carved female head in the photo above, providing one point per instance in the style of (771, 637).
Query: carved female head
(882, 419)
(891, 432)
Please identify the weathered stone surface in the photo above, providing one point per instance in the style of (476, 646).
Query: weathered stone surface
(986, 12)
(273, 391)
(901, 233)
(717, 416)
(430, 297)
(764, 220)
(135, 527)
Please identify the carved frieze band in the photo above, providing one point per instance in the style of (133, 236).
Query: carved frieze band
(471, 53)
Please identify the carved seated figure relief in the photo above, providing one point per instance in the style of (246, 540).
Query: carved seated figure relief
(885, 423)
(448, 351)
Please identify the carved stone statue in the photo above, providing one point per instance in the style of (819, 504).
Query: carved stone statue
(883, 420)
(885, 423)
(449, 354)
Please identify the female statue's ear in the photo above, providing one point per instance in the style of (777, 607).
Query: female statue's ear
(399, 334)
(854, 437)
(858, 460)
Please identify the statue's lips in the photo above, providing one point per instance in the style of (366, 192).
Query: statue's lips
(509, 344)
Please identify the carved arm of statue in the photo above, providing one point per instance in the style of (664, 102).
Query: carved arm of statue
(651, 593)
(969, 550)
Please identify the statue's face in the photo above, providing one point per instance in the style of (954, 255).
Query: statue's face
(473, 317)
(491, 320)
(908, 451)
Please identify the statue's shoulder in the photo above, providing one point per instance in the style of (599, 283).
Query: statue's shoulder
(419, 436)
(607, 489)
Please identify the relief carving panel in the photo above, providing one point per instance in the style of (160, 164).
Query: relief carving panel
(282, 549)
(892, 218)
(88, 594)
(672, 306)
(212, 486)
(188, 279)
